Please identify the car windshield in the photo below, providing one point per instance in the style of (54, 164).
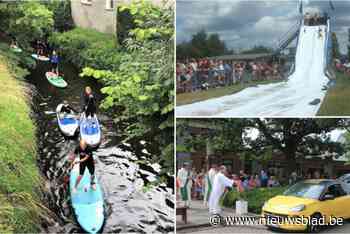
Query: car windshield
(305, 190)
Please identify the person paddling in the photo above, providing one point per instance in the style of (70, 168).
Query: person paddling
(88, 106)
(86, 161)
(54, 62)
(66, 108)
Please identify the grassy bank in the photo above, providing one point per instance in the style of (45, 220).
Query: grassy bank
(337, 98)
(19, 175)
(189, 98)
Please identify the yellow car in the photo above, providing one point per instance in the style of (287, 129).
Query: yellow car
(308, 205)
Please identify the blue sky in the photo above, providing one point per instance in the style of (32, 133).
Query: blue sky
(243, 24)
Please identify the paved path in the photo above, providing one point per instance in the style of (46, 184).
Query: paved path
(198, 216)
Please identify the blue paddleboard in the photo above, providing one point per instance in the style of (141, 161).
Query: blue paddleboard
(87, 203)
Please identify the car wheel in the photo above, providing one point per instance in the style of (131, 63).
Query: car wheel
(312, 227)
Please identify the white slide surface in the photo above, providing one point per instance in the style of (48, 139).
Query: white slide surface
(289, 98)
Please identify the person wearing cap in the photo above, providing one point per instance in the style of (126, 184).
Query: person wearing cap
(185, 180)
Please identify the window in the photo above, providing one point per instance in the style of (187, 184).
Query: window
(109, 4)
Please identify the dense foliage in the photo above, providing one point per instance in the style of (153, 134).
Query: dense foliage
(143, 83)
(62, 15)
(26, 21)
(84, 47)
(202, 45)
(255, 197)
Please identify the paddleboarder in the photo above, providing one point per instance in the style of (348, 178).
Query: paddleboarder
(86, 161)
(66, 108)
(54, 59)
(88, 106)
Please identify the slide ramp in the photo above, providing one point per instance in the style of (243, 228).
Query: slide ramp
(289, 98)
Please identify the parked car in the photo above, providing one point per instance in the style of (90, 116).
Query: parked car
(346, 180)
(307, 200)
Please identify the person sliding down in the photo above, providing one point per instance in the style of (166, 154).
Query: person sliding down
(89, 103)
(54, 62)
(86, 161)
(319, 32)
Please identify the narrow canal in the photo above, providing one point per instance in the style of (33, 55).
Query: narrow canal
(123, 167)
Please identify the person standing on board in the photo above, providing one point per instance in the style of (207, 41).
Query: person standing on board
(88, 105)
(54, 62)
(86, 160)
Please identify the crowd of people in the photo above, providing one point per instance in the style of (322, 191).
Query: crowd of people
(342, 66)
(201, 74)
(315, 19)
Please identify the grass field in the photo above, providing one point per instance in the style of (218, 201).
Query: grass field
(337, 100)
(19, 175)
(189, 98)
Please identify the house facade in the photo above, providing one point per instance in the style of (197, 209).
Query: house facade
(100, 15)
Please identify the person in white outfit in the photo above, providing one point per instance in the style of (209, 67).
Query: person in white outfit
(209, 178)
(221, 181)
(184, 176)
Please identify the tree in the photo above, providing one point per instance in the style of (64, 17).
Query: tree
(289, 138)
(297, 138)
(29, 21)
(258, 50)
(335, 46)
(202, 45)
(62, 15)
(141, 89)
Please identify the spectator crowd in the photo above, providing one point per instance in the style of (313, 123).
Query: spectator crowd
(202, 74)
(198, 181)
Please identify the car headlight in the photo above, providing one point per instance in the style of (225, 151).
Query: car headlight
(297, 208)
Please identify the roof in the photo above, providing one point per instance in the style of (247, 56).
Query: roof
(242, 56)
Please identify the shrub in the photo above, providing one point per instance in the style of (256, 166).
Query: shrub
(87, 47)
(255, 197)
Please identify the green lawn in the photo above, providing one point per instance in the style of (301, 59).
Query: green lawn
(188, 98)
(19, 175)
(337, 100)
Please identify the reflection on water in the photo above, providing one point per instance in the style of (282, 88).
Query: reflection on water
(123, 169)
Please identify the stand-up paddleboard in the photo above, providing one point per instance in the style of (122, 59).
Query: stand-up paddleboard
(90, 130)
(87, 203)
(16, 49)
(41, 58)
(55, 80)
(68, 123)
